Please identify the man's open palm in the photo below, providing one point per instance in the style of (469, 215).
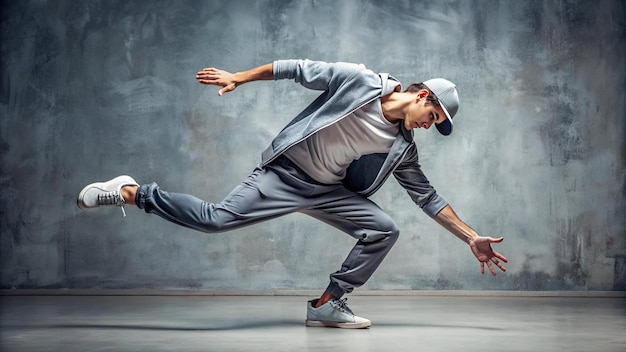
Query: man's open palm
(481, 247)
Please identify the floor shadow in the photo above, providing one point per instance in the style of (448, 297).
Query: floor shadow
(439, 326)
(156, 327)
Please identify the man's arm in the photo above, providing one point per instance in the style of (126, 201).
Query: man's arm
(480, 246)
(229, 81)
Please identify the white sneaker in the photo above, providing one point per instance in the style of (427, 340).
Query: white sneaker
(105, 193)
(334, 313)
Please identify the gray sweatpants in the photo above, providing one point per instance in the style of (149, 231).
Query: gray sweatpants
(279, 189)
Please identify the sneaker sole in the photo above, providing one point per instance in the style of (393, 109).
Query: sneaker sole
(334, 324)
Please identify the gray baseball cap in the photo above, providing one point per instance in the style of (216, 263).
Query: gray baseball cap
(445, 92)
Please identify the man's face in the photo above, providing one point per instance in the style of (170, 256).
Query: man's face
(423, 114)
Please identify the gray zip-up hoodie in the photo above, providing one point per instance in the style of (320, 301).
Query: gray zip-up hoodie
(347, 87)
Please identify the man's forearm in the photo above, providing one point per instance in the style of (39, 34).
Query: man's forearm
(261, 73)
(451, 222)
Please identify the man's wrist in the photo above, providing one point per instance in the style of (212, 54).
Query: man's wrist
(470, 238)
(240, 78)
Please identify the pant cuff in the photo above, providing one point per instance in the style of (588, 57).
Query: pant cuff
(143, 192)
(336, 291)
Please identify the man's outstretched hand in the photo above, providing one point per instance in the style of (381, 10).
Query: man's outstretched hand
(481, 247)
(215, 77)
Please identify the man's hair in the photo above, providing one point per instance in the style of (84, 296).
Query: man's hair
(416, 87)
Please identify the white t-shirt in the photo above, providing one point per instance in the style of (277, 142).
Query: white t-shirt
(326, 155)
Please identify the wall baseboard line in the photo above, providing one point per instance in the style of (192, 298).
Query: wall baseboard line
(312, 293)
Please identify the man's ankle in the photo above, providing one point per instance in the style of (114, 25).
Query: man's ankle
(326, 296)
(129, 193)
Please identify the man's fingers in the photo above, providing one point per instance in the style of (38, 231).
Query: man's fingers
(208, 76)
(497, 262)
(500, 256)
(482, 268)
(228, 88)
(490, 266)
(223, 90)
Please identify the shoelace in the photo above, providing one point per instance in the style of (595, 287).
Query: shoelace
(112, 198)
(341, 305)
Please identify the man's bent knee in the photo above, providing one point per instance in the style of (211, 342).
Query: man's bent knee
(390, 235)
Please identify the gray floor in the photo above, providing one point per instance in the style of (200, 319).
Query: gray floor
(266, 323)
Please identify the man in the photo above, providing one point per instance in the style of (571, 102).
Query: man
(325, 163)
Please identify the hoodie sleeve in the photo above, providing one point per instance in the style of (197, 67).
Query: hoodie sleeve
(410, 176)
(317, 75)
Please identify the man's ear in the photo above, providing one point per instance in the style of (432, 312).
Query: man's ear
(422, 93)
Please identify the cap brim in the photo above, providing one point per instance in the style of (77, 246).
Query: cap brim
(445, 127)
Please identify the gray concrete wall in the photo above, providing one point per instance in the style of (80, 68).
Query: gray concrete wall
(93, 89)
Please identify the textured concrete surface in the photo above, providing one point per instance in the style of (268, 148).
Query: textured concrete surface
(93, 89)
(144, 323)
